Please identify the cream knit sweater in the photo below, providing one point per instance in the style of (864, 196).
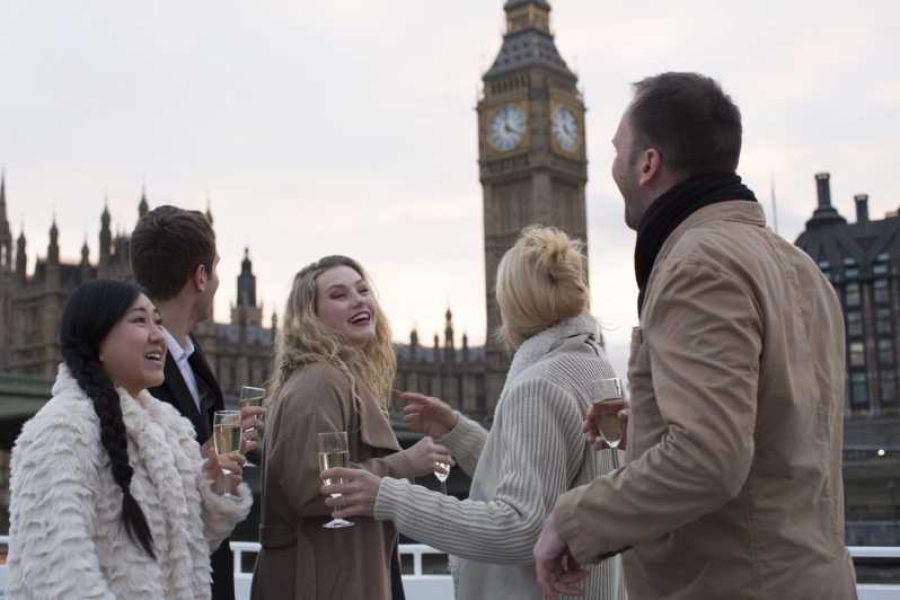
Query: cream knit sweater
(534, 452)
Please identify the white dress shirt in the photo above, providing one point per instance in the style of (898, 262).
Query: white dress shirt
(181, 356)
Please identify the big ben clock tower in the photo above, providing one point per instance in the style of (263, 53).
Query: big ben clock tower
(532, 157)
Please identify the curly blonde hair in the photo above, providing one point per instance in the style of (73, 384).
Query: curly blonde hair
(540, 282)
(304, 339)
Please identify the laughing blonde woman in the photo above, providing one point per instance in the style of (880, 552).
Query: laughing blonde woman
(534, 451)
(333, 372)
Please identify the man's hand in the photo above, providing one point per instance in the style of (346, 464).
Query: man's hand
(252, 427)
(591, 423)
(557, 571)
(358, 490)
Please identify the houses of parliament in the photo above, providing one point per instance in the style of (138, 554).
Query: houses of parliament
(31, 304)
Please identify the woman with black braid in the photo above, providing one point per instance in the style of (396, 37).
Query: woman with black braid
(110, 495)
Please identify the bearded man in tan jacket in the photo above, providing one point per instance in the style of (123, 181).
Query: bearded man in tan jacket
(732, 486)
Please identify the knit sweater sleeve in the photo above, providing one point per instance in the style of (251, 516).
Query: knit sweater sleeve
(539, 421)
(51, 549)
(465, 442)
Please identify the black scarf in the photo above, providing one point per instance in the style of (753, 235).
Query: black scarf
(672, 208)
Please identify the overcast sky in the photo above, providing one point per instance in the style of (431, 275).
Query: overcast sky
(348, 126)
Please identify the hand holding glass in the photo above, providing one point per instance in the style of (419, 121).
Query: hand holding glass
(251, 396)
(442, 472)
(226, 433)
(334, 451)
(609, 398)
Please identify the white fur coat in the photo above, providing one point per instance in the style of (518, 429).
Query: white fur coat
(67, 539)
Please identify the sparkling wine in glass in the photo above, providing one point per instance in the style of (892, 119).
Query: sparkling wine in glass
(442, 472)
(226, 432)
(610, 393)
(251, 396)
(334, 452)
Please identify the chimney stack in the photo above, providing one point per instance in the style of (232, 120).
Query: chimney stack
(825, 214)
(862, 208)
(823, 188)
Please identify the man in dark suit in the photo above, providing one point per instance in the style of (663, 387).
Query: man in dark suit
(173, 256)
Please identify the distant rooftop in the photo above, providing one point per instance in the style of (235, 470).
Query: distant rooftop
(427, 353)
(232, 333)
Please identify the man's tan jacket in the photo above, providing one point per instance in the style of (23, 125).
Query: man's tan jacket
(732, 487)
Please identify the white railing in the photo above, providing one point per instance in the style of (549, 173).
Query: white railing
(876, 591)
(419, 585)
(416, 585)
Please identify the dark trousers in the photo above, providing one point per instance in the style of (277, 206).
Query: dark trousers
(223, 572)
(396, 579)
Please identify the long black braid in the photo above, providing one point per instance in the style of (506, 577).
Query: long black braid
(91, 312)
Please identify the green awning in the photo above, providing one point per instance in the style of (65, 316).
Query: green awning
(18, 408)
(21, 396)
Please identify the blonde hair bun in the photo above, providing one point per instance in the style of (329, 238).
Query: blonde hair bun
(540, 282)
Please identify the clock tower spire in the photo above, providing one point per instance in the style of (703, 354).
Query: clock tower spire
(532, 161)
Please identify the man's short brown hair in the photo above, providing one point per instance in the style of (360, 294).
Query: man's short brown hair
(690, 120)
(167, 246)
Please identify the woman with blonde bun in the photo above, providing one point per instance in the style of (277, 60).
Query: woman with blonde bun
(534, 451)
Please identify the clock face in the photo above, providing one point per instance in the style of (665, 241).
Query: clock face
(565, 128)
(507, 128)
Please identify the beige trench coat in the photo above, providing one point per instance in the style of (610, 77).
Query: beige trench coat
(301, 560)
(732, 487)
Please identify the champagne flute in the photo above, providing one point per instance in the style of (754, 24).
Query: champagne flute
(226, 433)
(611, 393)
(442, 473)
(334, 452)
(251, 396)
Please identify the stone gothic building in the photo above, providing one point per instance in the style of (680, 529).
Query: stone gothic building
(31, 305)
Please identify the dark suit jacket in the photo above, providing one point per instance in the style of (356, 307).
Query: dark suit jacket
(175, 391)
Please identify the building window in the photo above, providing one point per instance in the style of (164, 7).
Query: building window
(883, 321)
(882, 292)
(859, 390)
(857, 354)
(825, 267)
(854, 323)
(885, 352)
(888, 387)
(852, 294)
